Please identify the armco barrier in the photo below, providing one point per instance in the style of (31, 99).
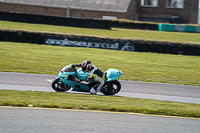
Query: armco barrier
(179, 28)
(55, 20)
(97, 42)
(198, 29)
(190, 28)
(166, 27)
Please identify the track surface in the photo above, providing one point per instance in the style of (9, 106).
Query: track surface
(26, 120)
(158, 91)
(23, 120)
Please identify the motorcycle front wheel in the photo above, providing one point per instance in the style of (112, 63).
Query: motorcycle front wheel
(59, 86)
(111, 88)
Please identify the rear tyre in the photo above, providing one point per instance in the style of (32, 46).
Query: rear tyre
(59, 86)
(111, 88)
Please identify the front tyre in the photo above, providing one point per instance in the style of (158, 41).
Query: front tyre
(111, 88)
(59, 86)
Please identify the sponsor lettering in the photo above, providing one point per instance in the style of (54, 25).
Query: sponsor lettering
(67, 42)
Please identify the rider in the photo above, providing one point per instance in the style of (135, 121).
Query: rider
(94, 72)
(76, 65)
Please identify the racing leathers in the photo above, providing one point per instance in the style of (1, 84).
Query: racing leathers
(99, 77)
(76, 79)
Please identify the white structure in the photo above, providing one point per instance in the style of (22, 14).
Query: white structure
(199, 13)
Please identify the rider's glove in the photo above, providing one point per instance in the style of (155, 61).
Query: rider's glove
(76, 65)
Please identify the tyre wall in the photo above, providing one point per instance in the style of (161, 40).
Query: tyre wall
(97, 42)
(55, 20)
(129, 25)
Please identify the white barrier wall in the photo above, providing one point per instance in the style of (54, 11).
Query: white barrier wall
(180, 28)
(198, 29)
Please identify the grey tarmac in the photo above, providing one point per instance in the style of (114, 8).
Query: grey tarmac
(134, 89)
(30, 120)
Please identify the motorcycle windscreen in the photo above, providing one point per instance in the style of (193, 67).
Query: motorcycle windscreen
(68, 68)
(113, 74)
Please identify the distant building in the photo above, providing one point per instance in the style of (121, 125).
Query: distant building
(184, 11)
(176, 11)
(199, 14)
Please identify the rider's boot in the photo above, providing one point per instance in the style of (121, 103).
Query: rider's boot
(93, 91)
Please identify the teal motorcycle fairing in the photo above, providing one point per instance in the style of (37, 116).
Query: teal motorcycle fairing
(67, 75)
(112, 74)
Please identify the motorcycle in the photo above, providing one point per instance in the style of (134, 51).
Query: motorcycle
(73, 79)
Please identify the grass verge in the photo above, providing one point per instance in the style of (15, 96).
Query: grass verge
(150, 67)
(95, 102)
(115, 32)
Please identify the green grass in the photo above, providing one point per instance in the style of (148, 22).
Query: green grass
(115, 32)
(94, 102)
(151, 67)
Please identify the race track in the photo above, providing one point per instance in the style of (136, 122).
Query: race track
(38, 120)
(135, 89)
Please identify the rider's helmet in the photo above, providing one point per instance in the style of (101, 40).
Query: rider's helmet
(86, 66)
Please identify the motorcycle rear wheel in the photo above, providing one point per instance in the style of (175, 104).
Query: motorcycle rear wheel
(111, 88)
(59, 86)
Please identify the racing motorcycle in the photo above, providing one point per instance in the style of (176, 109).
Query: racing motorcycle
(73, 79)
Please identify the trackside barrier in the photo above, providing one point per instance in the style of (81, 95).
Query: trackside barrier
(97, 42)
(132, 25)
(166, 27)
(190, 28)
(178, 28)
(74, 22)
(55, 20)
(198, 29)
